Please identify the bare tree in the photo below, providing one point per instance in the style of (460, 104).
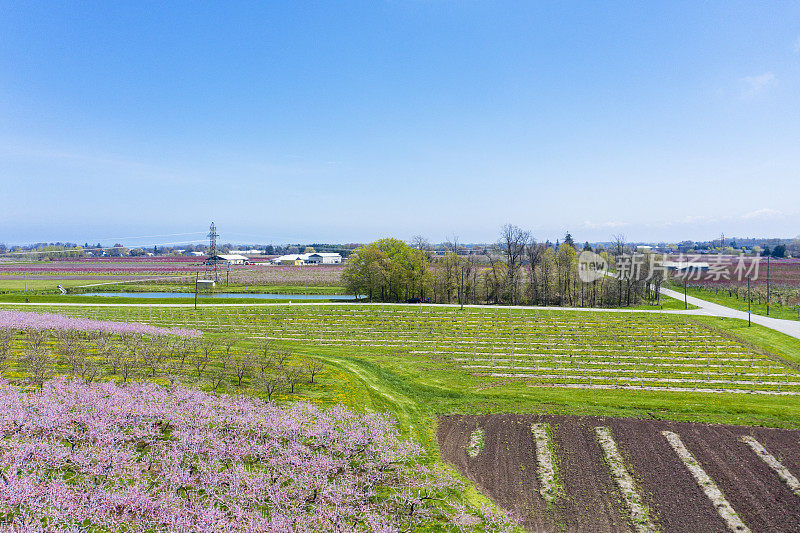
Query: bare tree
(314, 367)
(513, 241)
(201, 357)
(38, 363)
(242, 365)
(269, 383)
(534, 251)
(292, 375)
(69, 347)
(266, 357)
(618, 248)
(103, 345)
(153, 354)
(36, 338)
(130, 358)
(6, 338)
(217, 374)
(173, 369)
(88, 368)
(464, 275)
(281, 356)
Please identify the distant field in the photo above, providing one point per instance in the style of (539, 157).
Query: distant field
(725, 283)
(168, 275)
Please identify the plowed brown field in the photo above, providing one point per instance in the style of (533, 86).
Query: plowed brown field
(506, 470)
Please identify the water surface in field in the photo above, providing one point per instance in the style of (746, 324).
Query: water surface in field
(260, 296)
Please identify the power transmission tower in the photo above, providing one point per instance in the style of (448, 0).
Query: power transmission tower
(212, 247)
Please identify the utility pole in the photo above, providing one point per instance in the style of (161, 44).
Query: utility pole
(748, 301)
(767, 285)
(197, 275)
(685, 297)
(227, 277)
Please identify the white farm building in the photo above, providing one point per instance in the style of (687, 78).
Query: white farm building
(324, 258)
(320, 258)
(228, 259)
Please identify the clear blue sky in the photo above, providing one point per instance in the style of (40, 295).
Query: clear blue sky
(347, 121)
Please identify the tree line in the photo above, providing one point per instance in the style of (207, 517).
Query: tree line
(517, 270)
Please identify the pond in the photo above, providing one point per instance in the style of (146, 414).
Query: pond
(261, 296)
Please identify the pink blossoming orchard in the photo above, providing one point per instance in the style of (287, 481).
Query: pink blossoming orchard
(101, 457)
(106, 449)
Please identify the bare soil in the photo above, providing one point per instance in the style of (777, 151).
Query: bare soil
(505, 470)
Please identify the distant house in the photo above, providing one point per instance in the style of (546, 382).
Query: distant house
(197, 254)
(324, 258)
(252, 251)
(291, 259)
(227, 259)
(682, 266)
(319, 258)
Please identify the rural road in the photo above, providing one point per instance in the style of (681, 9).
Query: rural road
(789, 327)
(705, 308)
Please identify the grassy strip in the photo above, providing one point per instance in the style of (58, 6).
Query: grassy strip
(721, 297)
(232, 288)
(710, 488)
(769, 340)
(639, 513)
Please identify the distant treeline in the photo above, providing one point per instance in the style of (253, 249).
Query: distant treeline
(516, 271)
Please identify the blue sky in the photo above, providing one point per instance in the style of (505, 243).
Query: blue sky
(348, 121)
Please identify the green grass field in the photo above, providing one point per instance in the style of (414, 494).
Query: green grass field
(420, 361)
(221, 287)
(34, 284)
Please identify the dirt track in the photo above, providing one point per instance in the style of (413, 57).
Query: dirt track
(506, 470)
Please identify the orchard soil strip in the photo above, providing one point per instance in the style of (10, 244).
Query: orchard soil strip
(773, 463)
(550, 489)
(640, 515)
(707, 484)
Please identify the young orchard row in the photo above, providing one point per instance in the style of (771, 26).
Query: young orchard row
(587, 350)
(34, 355)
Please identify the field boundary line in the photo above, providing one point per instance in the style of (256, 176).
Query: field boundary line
(714, 493)
(773, 463)
(546, 471)
(640, 514)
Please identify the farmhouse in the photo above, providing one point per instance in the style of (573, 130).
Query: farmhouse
(291, 259)
(320, 258)
(682, 266)
(324, 258)
(227, 259)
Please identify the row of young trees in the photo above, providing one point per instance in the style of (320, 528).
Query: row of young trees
(91, 355)
(516, 271)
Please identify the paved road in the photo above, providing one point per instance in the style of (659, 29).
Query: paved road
(789, 327)
(360, 304)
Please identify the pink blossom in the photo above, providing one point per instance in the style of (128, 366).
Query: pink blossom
(26, 320)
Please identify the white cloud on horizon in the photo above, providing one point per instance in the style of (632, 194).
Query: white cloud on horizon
(603, 225)
(755, 85)
(762, 213)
